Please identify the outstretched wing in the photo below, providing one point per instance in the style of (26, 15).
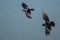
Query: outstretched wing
(52, 23)
(32, 9)
(24, 6)
(45, 17)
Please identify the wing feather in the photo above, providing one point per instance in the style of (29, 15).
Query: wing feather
(24, 6)
(45, 17)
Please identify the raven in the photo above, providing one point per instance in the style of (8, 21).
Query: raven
(27, 10)
(47, 23)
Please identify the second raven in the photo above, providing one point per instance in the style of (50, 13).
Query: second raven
(47, 23)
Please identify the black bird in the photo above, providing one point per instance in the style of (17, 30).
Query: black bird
(47, 23)
(27, 10)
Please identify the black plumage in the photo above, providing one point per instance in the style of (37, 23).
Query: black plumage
(27, 10)
(47, 23)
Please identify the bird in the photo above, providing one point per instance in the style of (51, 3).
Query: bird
(47, 23)
(27, 10)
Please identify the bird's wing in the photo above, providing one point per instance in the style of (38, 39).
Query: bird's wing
(24, 6)
(32, 9)
(45, 17)
(52, 23)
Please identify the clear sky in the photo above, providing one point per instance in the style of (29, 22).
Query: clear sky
(14, 25)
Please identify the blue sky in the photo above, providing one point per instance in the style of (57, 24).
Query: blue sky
(14, 25)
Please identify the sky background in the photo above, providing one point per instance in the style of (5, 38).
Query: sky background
(14, 25)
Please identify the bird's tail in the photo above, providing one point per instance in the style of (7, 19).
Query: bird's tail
(52, 23)
(47, 31)
(29, 16)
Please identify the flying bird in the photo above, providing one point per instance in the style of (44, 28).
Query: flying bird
(27, 10)
(47, 23)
